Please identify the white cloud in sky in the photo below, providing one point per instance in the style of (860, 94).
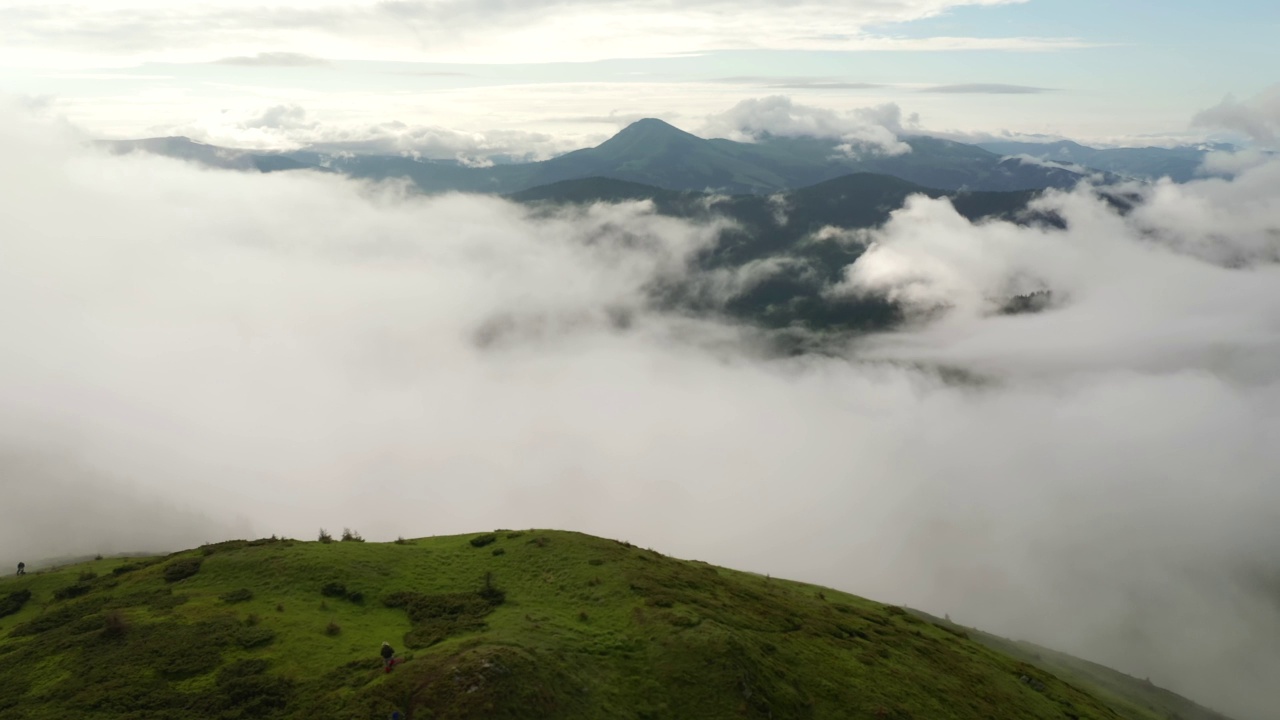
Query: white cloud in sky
(1234, 162)
(298, 350)
(1257, 117)
(469, 30)
(872, 129)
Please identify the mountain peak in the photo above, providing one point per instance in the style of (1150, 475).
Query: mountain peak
(649, 131)
(652, 125)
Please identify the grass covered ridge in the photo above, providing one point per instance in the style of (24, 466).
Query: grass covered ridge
(539, 624)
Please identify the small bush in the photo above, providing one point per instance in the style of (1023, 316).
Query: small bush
(491, 593)
(499, 551)
(13, 602)
(279, 607)
(539, 541)
(237, 596)
(255, 637)
(252, 620)
(71, 591)
(514, 535)
(333, 629)
(115, 624)
(126, 568)
(98, 556)
(59, 617)
(325, 537)
(597, 562)
(87, 575)
(583, 617)
(482, 540)
(334, 589)
(181, 569)
(401, 541)
(349, 535)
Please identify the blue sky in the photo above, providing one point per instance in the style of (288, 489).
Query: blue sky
(549, 75)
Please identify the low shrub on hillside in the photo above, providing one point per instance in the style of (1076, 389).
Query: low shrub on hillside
(245, 690)
(114, 624)
(952, 629)
(349, 535)
(482, 540)
(499, 551)
(13, 602)
(71, 591)
(325, 537)
(126, 568)
(181, 569)
(333, 629)
(491, 593)
(237, 596)
(338, 590)
(87, 575)
(334, 589)
(438, 617)
(254, 636)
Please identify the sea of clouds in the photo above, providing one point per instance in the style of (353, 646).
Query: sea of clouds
(188, 355)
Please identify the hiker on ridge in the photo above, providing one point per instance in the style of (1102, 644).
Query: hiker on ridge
(22, 568)
(388, 655)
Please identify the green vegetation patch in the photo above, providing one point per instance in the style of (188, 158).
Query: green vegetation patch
(578, 628)
(238, 595)
(13, 602)
(444, 615)
(181, 569)
(71, 591)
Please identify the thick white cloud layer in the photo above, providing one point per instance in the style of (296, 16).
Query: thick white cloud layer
(291, 351)
(465, 30)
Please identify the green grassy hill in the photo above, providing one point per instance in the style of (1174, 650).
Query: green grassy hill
(534, 624)
(1128, 695)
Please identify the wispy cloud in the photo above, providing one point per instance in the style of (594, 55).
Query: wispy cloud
(274, 59)
(487, 31)
(873, 129)
(796, 82)
(986, 89)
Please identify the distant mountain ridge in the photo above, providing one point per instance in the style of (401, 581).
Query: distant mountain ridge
(1180, 164)
(656, 153)
(788, 282)
(211, 155)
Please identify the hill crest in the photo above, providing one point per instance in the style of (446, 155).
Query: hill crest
(525, 624)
